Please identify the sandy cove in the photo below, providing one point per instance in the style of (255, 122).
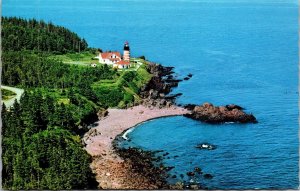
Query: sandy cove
(111, 171)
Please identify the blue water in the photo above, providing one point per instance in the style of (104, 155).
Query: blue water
(243, 52)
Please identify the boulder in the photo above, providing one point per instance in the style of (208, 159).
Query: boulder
(169, 104)
(163, 102)
(153, 94)
(233, 106)
(195, 187)
(189, 106)
(162, 95)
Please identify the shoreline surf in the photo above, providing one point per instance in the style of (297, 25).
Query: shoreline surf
(111, 170)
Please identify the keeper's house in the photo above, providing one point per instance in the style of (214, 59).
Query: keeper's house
(115, 59)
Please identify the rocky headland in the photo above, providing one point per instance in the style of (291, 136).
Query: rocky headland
(213, 114)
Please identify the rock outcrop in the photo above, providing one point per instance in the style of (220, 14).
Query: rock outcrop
(155, 93)
(102, 113)
(188, 76)
(213, 114)
(87, 137)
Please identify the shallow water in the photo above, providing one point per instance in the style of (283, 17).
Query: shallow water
(242, 52)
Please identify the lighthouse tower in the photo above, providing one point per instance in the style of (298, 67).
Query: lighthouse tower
(126, 54)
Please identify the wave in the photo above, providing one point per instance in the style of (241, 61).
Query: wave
(124, 136)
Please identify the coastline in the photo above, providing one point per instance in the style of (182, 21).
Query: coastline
(119, 169)
(112, 172)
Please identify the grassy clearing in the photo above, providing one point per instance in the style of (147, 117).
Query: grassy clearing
(65, 101)
(123, 90)
(6, 94)
(83, 58)
(143, 76)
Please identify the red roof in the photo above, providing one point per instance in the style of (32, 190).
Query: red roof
(108, 55)
(122, 62)
(114, 59)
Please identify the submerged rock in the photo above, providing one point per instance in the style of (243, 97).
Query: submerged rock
(188, 76)
(208, 176)
(214, 114)
(197, 169)
(190, 173)
(165, 154)
(168, 168)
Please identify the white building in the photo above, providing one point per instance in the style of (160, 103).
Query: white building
(122, 65)
(115, 59)
(109, 58)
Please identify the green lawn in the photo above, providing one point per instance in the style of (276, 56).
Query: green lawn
(83, 58)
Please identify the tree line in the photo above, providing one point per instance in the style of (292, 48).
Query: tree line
(21, 34)
(41, 136)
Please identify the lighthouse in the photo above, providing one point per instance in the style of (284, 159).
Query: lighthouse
(126, 54)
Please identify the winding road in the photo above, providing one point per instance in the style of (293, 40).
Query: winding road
(10, 102)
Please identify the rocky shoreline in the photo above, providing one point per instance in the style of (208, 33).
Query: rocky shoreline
(113, 171)
(133, 168)
(156, 92)
(146, 164)
(149, 164)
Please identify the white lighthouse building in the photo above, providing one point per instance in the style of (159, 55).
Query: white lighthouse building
(126, 53)
(114, 58)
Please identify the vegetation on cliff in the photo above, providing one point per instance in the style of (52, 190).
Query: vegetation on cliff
(41, 135)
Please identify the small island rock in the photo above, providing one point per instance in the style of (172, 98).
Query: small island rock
(214, 114)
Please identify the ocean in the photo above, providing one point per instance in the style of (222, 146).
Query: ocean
(239, 51)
